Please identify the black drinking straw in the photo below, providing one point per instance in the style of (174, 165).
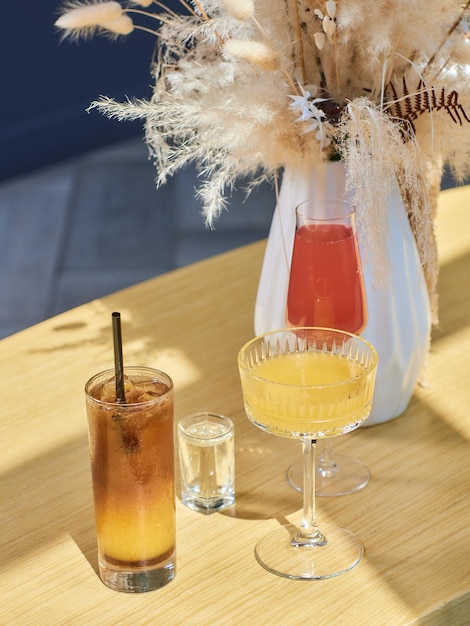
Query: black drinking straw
(118, 362)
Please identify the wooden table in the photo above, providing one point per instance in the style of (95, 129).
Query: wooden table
(414, 516)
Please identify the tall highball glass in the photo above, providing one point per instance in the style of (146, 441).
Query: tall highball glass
(132, 467)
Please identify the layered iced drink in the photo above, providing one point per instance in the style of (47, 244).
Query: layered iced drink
(132, 462)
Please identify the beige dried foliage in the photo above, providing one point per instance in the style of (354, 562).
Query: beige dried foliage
(239, 9)
(121, 26)
(257, 53)
(220, 105)
(84, 19)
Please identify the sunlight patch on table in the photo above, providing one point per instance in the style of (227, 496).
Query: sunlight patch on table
(448, 222)
(446, 390)
(171, 360)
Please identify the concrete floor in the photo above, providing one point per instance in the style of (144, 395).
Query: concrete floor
(88, 227)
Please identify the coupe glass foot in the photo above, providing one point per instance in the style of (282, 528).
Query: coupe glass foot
(276, 553)
(349, 476)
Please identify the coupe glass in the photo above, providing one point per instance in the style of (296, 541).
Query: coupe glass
(308, 383)
(326, 288)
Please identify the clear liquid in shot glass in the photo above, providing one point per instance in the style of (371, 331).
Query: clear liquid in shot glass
(206, 452)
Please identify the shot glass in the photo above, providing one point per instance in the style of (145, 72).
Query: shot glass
(207, 462)
(132, 466)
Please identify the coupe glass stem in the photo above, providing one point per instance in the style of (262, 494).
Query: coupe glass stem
(309, 534)
(327, 465)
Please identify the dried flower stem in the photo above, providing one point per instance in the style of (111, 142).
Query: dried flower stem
(449, 33)
(146, 30)
(167, 9)
(188, 7)
(203, 13)
(156, 16)
(299, 49)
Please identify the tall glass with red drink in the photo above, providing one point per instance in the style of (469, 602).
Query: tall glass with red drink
(326, 286)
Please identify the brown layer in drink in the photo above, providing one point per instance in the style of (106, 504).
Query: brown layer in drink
(131, 448)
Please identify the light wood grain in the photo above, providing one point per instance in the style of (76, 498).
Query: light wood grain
(413, 517)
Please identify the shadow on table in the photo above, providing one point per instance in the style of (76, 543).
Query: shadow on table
(262, 491)
(55, 490)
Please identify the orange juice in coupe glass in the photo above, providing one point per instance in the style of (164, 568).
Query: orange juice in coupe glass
(310, 384)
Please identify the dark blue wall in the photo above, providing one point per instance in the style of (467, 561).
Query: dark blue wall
(47, 85)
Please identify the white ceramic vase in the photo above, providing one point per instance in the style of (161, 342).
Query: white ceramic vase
(399, 320)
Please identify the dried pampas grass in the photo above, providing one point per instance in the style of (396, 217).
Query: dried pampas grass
(255, 52)
(239, 9)
(85, 19)
(388, 93)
